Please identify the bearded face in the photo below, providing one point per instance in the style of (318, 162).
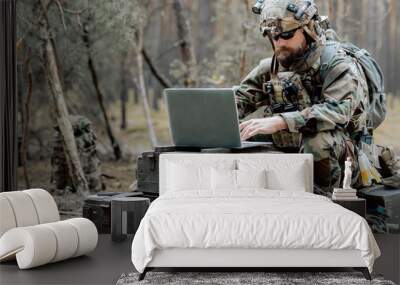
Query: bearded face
(287, 55)
(287, 51)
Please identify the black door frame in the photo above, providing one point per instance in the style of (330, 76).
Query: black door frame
(8, 97)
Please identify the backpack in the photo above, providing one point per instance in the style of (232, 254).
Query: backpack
(377, 98)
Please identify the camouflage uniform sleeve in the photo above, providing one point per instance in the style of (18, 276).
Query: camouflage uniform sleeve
(250, 90)
(342, 91)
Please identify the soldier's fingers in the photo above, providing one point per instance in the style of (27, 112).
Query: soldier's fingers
(243, 133)
(245, 128)
(245, 137)
(248, 131)
(244, 124)
(252, 133)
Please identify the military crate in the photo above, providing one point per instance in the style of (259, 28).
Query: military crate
(383, 208)
(97, 208)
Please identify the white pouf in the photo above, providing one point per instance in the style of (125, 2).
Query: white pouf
(31, 232)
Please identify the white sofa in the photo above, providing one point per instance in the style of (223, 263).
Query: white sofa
(279, 222)
(31, 231)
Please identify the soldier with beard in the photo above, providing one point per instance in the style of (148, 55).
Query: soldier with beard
(305, 112)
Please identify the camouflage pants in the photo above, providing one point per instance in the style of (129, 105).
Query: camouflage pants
(330, 150)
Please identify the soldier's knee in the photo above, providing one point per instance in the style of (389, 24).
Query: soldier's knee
(330, 144)
(318, 145)
(328, 149)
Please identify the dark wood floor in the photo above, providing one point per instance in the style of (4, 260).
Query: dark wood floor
(110, 260)
(103, 266)
(389, 262)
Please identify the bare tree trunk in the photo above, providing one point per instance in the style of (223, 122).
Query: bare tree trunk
(114, 142)
(331, 12)
(123, 94)
(393, 44)
(25, 119)
(142, 85)
(100, 97)
(186, 43)
(245, 28)
(132, 78)
(157, 74)
(364, 22)
(379, 36)
(60, 108)
(154, 29)
(136, 91)
(340, 18)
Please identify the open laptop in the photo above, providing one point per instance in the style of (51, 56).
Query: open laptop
(205, 118)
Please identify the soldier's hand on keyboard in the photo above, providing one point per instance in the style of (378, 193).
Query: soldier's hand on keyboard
(266, 126)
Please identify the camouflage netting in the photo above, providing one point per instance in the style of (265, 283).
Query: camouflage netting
(86, 142)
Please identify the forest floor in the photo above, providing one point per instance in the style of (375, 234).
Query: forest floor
(119, 175)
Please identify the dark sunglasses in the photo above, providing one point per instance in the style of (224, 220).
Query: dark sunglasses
(285, 35)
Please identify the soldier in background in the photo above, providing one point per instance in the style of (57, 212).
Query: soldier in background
(306, 110)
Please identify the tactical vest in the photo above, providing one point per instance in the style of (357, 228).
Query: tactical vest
(286, 93)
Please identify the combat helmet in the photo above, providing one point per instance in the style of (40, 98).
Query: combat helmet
(278, 16)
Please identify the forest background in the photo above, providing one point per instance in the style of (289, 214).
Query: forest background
(109, 61)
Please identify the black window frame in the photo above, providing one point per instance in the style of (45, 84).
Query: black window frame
(8, 97)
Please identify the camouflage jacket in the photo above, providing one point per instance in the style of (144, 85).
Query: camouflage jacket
(339, 102)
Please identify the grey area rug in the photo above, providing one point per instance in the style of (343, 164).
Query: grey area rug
(233, 278)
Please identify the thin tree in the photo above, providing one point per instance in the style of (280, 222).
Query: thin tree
(163, 80)
(380, 27)
(245, 29)
(186, 43)
(60, 109)
(393, 42)
(364, 22)
(331, 11)
(141, 82)
(123, 93)
(100, 97)
(340, 18)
